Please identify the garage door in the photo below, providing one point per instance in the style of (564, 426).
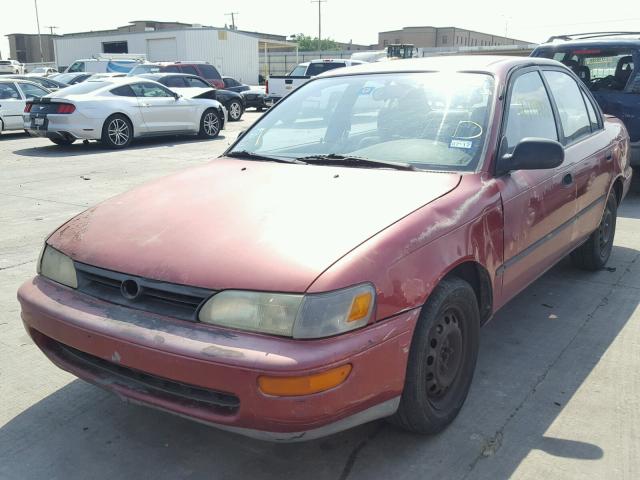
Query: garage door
(162, 49)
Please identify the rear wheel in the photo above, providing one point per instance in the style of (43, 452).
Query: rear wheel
(117, 132)
(235, 111)
(595, 252)
(210, 124)
(442, 359)
(63, 142)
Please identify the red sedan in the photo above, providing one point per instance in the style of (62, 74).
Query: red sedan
(336, 264)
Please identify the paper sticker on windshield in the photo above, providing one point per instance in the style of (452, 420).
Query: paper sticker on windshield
(466, 144)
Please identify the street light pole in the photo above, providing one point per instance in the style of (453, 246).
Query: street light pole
(39, 36)
(319, 2)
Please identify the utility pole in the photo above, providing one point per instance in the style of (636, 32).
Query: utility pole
(52, 28)
(319, 2)
(39, 36)
(233, 19)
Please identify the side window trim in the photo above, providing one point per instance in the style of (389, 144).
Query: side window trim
(579, 84)
(511, 79)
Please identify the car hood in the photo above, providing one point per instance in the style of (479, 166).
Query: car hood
(193, 92)
(246, 224)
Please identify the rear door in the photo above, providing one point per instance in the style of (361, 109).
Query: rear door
(587, 149)
(539, 205)
(161, 111)
(11, 106)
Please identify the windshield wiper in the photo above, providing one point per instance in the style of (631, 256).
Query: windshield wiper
(245, 154)
(347, 160)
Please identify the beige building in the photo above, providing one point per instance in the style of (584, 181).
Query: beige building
(432, 37)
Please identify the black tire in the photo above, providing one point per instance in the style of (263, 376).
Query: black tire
(442, 359)
(117, 132)
(235, 111)
(63, 142)
(210, 124)
(595, 252)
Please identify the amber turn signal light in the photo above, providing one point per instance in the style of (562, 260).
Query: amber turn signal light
(304, 385)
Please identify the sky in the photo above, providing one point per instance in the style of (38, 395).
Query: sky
(342, 20)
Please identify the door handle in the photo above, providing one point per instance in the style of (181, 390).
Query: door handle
(145, 105)
(609, 156)
(567, 179)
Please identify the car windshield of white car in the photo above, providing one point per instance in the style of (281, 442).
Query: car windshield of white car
(434, 121)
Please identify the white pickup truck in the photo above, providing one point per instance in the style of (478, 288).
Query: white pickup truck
(280, 86)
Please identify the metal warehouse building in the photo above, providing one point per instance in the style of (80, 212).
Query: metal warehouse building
(233, 53)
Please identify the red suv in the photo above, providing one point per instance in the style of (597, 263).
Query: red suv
(202, 69)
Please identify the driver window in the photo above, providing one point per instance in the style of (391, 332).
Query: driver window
(8, 92)
(530, 113)
(76, 67)
(149, 90)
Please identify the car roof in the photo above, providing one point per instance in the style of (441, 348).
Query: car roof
(19, 80)
(592, 43)
(492, 64)
(167, 74)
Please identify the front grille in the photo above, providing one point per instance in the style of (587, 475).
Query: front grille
(185, 394)
(178, 301)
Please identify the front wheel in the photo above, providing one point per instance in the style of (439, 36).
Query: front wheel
(235, 111)
(595, 252)
(210, 124)
(442, 359)
(117, 132)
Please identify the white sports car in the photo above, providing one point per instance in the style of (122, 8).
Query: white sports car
(117, 110)
(14, 94)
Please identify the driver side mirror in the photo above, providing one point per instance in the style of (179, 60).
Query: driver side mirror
(532, 154)
(177, 96)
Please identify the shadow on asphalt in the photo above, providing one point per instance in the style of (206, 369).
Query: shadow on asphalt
(92, 147)
(82, 432)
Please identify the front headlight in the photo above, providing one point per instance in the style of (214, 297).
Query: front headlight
(56, 266)
(298, 316)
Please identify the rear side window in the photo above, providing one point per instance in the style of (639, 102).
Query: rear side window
(171, 69)
(318, 68)
(76, 67)
(195, 82)
(31, 91)
(599, 68)
(123, 91)
(299, 71)
(8, 91)
(570, 102)
(174, 82)
(530, 113)
(594, 116)
(191, 70)
(209, 72)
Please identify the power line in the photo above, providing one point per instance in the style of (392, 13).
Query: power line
(51, 28)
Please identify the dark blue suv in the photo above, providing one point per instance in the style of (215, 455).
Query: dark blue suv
(605, 63)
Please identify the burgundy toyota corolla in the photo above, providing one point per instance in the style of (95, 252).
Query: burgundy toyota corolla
(336, 264)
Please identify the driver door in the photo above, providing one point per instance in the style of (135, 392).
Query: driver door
(161, 110)
(539, 205)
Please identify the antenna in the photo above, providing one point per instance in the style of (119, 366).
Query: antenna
(233, 19)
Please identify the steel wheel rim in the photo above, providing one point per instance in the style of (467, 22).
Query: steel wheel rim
(118, 132)
(235, 110)
(445, 357)
(605, 230)
(211, 124)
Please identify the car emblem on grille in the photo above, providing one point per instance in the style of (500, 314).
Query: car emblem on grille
(130, 289)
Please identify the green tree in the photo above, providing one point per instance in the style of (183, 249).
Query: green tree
(307, 43)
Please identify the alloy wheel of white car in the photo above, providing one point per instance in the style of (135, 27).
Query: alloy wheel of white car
(235, 111)
(117, 131)
(210, 125)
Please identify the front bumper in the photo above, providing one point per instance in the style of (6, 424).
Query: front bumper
(225, 362)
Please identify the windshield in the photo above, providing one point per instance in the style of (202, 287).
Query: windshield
(433, 121)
